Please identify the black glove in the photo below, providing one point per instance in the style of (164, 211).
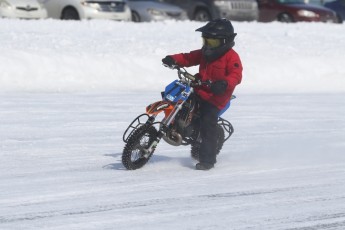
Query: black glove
(218, 87)
(169, 61)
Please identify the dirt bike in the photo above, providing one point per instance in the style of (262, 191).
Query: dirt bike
(179, 126)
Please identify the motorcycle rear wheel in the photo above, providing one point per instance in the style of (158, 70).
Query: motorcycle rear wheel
(133, 152)
(196, 145)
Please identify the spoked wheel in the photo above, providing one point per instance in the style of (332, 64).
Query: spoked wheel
(195, 151)
(133, 156)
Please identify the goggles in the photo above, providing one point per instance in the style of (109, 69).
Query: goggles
(211, 42)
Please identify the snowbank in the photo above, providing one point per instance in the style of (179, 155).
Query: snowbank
(55, 56)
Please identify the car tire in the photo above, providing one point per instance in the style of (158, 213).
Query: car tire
(135, 17)
(285, 17)
(339, 19)
(70, 14)
(202, 15)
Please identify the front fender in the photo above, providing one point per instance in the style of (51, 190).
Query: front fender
(158, 107)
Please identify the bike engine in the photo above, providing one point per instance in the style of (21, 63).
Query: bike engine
(181, 127)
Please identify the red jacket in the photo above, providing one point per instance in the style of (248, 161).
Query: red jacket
(228, 67)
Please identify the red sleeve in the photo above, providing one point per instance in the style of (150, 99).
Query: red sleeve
(234, 72)
(188, 59)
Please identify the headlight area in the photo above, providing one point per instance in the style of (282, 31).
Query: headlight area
(221, 3)
(307, 14)
(113, 10)
(95, 6)
(156, 13)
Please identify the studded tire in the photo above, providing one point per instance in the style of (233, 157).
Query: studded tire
(195, 150)
(133, 152)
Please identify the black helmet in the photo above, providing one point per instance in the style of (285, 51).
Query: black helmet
(222, 30)
(218, 28)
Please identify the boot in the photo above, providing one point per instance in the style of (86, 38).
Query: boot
(203, 166)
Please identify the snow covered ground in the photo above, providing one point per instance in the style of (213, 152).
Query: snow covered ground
(68, 90)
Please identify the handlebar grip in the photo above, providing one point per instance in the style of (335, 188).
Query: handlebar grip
(200, 83)
(189, 76)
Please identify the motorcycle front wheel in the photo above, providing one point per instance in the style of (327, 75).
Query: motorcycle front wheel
(133, 155)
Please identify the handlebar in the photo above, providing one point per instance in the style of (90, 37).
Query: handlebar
(183, 72)
(194, 81)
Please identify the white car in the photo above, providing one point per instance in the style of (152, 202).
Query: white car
(26, 9)
(88, 9)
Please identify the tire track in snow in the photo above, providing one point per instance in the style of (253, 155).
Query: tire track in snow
(166, 201)
(334, 225)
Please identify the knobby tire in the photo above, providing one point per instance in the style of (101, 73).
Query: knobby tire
(133, 154)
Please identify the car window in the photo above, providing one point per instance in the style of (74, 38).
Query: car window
(315, 2)
(290, 1)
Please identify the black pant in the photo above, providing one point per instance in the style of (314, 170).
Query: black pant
(208, 131)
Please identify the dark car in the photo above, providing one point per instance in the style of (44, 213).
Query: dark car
(339, 7)
(205, 10)
(294, 11)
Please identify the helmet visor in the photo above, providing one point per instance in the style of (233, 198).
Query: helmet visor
(211, 42)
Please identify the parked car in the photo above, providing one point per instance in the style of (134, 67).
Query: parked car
(25, 9)
(154, 10)
(88, 9)
(293, 11)
(339, 7)
(205, 10)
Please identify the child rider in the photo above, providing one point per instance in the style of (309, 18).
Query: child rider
(219, 64)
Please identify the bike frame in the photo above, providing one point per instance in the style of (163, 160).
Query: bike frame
(171, 105)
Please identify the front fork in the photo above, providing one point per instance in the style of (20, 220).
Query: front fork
(152, 147)
(162, 130)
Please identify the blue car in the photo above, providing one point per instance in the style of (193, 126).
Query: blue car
(339, 7)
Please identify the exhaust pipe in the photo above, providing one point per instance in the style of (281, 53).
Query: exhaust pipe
(173, 138)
